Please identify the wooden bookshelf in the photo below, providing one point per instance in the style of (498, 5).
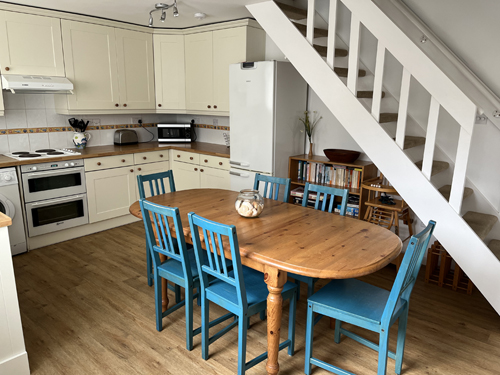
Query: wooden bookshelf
(368, 170)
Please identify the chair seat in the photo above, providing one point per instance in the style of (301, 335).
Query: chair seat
(256, 288)
(355, 298)
(398, 207)
(300, 277)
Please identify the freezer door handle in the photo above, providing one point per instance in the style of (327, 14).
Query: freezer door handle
(244, 175)
(240, 164)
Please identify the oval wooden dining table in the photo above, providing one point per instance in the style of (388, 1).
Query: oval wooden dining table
(288, 238)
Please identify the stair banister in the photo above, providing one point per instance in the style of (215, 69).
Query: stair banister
(403, 109)
(332, 24)
(311, 13)
(378, 82)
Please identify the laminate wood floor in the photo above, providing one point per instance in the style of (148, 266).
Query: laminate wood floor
(87, 309)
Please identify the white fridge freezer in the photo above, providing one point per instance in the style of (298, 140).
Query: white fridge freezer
(266, 99)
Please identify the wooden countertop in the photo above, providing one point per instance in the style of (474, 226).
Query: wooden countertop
(5, 221)
(100, 151)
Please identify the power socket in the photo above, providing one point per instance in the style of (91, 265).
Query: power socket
(135, 120)
(95, 122)
(216, 121)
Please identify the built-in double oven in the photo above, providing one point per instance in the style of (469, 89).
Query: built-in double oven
(55, 196)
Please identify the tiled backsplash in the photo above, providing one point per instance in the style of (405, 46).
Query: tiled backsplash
(30, 123)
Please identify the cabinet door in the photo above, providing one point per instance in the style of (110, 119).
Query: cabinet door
(229, 47)
(1, 104)
(135, 69)
(145, 169)
(186, 176)
(110, 192)
(211, 178)
(199, 72)
(170, 75)
(90, 56)
(30, 45)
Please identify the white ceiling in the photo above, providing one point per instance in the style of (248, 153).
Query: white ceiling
(137, 11)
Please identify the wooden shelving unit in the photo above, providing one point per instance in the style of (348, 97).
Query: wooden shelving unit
(368, 171)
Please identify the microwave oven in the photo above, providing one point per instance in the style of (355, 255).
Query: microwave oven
(175, 133)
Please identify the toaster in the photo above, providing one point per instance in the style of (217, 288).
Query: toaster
(126, 137)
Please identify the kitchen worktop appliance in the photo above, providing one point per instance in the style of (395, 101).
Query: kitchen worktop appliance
(55, 196)
(42, 154)
(179, 133)
(123, 137)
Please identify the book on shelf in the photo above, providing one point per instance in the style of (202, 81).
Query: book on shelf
(299, 193)
(352, 210)
(329, 174)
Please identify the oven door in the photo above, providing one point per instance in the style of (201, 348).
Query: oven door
(56, 214)
(39, 186)
(174, 133)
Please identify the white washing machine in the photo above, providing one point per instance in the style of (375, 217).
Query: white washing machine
(10, 205)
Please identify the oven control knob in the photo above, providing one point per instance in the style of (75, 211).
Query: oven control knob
(66, 165)
(34, 168)
(72, 164)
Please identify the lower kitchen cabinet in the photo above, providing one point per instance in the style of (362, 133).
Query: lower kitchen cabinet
(143, 169)
(211, 178)
(193, 176)
(110, 192)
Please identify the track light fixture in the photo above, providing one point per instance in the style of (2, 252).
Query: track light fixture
(163, 7)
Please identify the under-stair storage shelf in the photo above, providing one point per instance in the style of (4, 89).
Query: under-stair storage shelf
(363, 170)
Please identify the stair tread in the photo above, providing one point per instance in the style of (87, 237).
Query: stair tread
(388, 117)
(446, 191)
(367, 94)
(318, 33)
(480, 223)
(338, 51)
(413, 141)
(342, 72)
(494, 246)
(292, 12)
(437, 166)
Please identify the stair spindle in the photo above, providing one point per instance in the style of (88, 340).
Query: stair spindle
(378, 81)
(332, 28)
(403, 108)
(354, 44)
(430, 138)
(311, 12)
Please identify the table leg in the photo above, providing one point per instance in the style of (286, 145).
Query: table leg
(164, 288)
(275, 279)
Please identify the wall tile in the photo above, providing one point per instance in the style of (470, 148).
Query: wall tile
(107, 137)
(39, 141)
(3, 124)
(4, 144)
(59, 140)
(49, 101)
(34, 101)
(95, 138)
(18, 142)
(144, 136)
(55, 120)
(36, 118)
(14, 101)
(15, 118)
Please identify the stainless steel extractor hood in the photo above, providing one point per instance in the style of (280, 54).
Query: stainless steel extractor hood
(23, 84)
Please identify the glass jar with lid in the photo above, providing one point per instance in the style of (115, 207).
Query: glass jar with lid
(249, 203)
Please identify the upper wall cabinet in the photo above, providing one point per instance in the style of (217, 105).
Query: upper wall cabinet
(170, 77)
(208, 56)
(111, 69)
(30, 45)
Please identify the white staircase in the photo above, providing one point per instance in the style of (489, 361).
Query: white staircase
(463, 240)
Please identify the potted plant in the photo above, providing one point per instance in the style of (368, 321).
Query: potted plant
(309, 126)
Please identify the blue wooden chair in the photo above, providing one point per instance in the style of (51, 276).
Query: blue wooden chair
(156, 186)
(325, 197)
(272, 186)
(241, 290)
(367, 306)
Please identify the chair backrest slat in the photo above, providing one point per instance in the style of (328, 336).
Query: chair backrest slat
(157, 220)
(408, 271)
(272, 186)
(326, 194)
(156, 183)
(217, 238)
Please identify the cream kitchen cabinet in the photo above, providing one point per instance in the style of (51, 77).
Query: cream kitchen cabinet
(186, 176)
(144, 169)
(208, 56)
(2, 108)
(170, 76)
(110, 192)
(111, 69)
(30, 45)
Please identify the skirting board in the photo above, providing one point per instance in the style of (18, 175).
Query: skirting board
(16, 366)
(68, 234)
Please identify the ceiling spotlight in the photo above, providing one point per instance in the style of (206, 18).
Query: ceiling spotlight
(200, 16)
(163, 7)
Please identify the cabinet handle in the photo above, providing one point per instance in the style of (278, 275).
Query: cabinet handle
(7, 68)
(201, 170)
(206, 161)
(123, 160)
(125, 105)
(161, 155)
(196, 169)
(139, 169)
(159, 105)
(117, 105)
(98, 163)
(131, 170)
(144, 157)
(178, 156)
(190, 158)
(215, 106)
(220, 163)
(209, 106)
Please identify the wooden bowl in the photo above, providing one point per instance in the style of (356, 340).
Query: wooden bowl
(341, 156)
